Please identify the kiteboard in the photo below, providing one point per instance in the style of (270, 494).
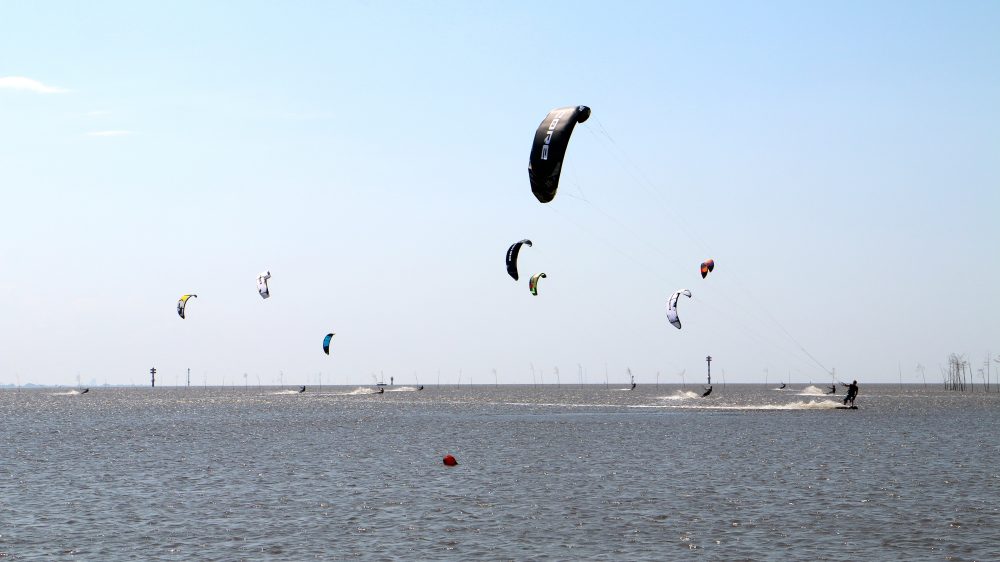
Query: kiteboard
(847, 407)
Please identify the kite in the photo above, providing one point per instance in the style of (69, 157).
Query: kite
(672, 307)
(706, 266)
(512, 257)
(182, 304)
(549, 149)
(262, 284)
(533, 282)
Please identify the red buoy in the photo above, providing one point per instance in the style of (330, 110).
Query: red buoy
(450, 460)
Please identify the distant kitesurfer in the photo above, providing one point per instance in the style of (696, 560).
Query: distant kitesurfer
(782, 385)
(852, 393)
(833, 389)
(707, 392)
(381, 390)
(86, 390)
(633, 386)
(421, 387)
(303, 389)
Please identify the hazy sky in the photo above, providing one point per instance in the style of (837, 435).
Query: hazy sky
(839, 160)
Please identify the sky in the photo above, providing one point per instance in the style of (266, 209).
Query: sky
(840, 161)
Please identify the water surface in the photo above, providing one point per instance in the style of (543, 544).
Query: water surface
(547, 472)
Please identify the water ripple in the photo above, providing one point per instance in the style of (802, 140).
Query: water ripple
(749, 473)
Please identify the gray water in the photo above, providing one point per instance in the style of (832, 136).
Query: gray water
(562, 473)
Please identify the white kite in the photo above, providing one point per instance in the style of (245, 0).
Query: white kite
(672, 307)
(262, 284)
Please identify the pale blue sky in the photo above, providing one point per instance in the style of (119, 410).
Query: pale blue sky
(838, 160)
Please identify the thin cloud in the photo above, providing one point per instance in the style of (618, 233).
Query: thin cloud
(29, 85)
(109, 133)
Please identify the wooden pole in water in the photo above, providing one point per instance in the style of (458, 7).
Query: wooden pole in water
(972, 381)
(986, 366)
(997, 360)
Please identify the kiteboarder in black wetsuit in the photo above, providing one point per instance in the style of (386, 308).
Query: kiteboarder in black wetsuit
(381, 390)
(707, 392)
(86, 390)
(852, 393)
(303, 389)
(633, 386)
(833, 389)
(421, 387)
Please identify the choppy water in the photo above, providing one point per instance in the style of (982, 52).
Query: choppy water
(750, 473)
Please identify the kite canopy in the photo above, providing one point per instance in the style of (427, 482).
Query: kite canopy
(182, 304)
(533, 282)
(549, 149)
(326, 343)
(706, 266)
(262, 284)
(512, 252)
(672, 307)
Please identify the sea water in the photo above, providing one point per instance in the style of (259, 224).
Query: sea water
(545, 472)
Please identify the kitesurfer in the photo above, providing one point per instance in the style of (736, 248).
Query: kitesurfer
(86, 390)
(303, 389)
(782, 386)
(381, 390)
(833, 389)
(707, 392)
(421, 387)
(633, 386)
(852, 393)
